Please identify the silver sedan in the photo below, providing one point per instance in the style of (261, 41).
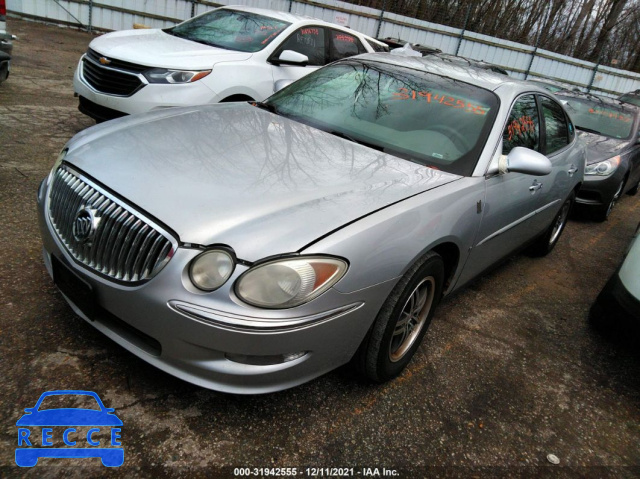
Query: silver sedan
(249, 248)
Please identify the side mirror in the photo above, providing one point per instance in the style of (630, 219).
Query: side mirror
(524, 160)
(289, 57)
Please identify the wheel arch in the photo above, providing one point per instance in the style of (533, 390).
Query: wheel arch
(237, 97)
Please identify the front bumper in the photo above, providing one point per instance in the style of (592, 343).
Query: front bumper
(191, 335)
(149, 97)
(599, 190)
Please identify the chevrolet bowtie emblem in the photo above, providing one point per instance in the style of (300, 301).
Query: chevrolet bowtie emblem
(104, 60)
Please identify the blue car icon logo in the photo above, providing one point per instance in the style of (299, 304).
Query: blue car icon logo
(80, 427)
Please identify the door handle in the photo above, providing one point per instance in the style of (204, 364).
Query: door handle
(535, 187)
(572, 170)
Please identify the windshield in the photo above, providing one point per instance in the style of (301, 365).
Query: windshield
(633, 99)
(598, 117)
(435, 121)
(230, 29)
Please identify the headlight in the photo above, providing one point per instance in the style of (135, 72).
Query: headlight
(289, 282)
(603, 168)
(162, 75)
(60, 159)
(211, 269)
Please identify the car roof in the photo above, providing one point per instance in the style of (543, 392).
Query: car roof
(468, 73)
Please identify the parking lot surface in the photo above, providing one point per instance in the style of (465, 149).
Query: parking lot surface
(509, 372)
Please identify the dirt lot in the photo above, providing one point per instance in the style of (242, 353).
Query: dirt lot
(509, 372)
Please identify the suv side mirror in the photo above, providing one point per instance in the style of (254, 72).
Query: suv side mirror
(289, 57)
(524, 160)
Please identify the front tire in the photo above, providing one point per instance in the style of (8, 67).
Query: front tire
(402, 321)
(602, 213)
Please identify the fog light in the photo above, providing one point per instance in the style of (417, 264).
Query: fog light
(264, 360)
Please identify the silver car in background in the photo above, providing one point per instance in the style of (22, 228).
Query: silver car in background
(251, 247)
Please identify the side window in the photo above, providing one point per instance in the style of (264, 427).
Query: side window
(523, 127)
(343, 45)
(309, 41)
(556, 127)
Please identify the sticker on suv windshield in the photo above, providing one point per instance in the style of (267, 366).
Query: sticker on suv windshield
(405, 94)
(69, 432)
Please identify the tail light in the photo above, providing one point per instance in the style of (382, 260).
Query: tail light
(3, 8)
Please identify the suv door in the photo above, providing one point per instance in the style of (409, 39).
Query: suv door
(309, 41)
(512, 199)
(343, 45)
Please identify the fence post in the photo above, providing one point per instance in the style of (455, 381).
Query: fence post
(381, 19)
(90, 24)
(290, 5)
(193, 8)
(464, 29)
(593, 77)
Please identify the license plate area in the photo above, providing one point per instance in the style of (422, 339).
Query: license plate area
(73, 287)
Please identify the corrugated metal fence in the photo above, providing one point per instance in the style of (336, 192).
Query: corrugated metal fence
(522, 61)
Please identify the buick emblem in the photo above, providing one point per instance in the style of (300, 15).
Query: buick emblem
(85, 225)
(104, 60)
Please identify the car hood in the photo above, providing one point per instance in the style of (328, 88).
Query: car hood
(244, 177)
(155, 48)
(601, 147)
(69, 417)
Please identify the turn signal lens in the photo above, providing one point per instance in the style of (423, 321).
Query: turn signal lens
(289, 282)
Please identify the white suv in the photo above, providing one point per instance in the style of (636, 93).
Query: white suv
(227, 54)
(6, 44)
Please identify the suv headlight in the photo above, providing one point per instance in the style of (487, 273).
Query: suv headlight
(603, 168)
(290, 282)
(162, 75)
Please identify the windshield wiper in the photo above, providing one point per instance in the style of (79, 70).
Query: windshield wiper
(588, 130)
(341, 134)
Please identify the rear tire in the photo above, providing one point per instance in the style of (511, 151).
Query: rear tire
(402, 321)
(545, 243)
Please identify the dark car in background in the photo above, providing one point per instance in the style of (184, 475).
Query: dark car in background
(632, 97)
(610, 130)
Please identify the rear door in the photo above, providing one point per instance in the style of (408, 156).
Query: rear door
(557, 138)
(509, 216)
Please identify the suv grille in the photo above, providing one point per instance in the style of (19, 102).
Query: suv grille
(117, 78)
(123, 245)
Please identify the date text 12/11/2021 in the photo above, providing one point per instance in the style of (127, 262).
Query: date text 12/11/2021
(314, 472)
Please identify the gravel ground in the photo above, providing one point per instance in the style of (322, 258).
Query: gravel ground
(509, 372)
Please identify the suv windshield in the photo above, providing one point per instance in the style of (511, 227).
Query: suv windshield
(230, 29)
(594, 116)
(436, 121)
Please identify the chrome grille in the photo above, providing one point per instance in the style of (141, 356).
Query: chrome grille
(119, 78)
(125, 245)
